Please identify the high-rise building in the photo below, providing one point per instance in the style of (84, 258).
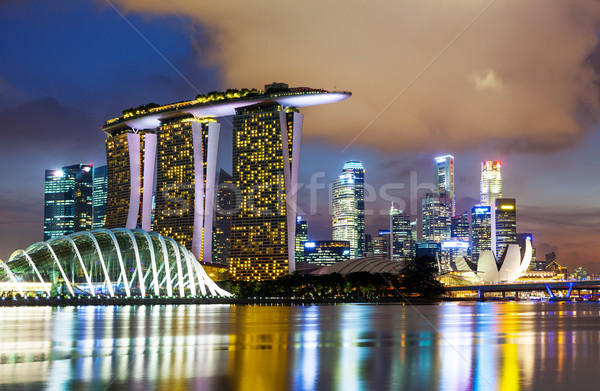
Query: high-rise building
(459, 227)
(481, 230)
(177, 143)
(301, 237)
(68, 200)
(444, 177)
(99, 197)
(491, 182)
(381, 244)
(326, 252)
(348, 207)
(368, 245)
(505, 224)
(225, 207)
(437, 211)
(401, 235)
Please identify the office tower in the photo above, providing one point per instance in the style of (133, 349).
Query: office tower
(401, 235)
(505, 224)
(459, 227)
(414, 234)
(185, 182)
(99, 197)
(225, 207)
(326, 252)
(177, 143)
(444, 177)
(491, 182)
(368, 245)
(481, 230)
(301, 237)
(348, 218)
(381, 244)
(437, 211)
(68, 200)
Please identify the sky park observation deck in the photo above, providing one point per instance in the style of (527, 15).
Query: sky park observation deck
(162, 164)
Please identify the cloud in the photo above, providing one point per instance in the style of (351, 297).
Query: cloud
(517, 76)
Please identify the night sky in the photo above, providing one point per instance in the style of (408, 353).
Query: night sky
(482, 80)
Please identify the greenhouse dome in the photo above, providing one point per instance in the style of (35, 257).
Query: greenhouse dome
(108, 262)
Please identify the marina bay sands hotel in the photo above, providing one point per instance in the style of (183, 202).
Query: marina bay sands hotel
(162, 165)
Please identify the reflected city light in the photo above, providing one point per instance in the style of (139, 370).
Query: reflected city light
(478, 346)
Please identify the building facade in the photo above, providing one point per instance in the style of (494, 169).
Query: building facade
(491, 182)
(225, 207)
(505, 224)
(301, 237)
(68, 200)
(348, 219)
(481, 230)
(400, 235)
(459, 227)
(326, 252)
(99, 197)
(437, 213)
(444, 177)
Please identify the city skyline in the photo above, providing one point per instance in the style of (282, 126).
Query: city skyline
(63, 102)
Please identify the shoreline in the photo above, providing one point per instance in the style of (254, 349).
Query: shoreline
(125, 301)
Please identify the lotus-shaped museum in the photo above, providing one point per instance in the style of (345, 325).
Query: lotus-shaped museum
(513, 264)
(109, 262)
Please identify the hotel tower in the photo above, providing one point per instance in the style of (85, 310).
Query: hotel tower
(162, 166)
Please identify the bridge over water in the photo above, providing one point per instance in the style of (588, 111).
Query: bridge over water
(552, 288)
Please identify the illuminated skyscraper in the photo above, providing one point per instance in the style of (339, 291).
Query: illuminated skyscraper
(491, 182)
(444, 177)
(301, 237)
(266, 155)
(459, 227)
(381, 244)
(437, 211)
(505, 225)
(348, 218)
(68, 200)
(225, 207)
(401, 235)
(481, 230)
(185, 182)
(177, 144)
(99, 197)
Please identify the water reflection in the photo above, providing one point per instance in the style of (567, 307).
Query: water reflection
(485, 346)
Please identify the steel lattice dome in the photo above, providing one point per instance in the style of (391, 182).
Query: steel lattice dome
(103, 261)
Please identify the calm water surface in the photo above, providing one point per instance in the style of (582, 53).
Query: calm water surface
(480, 346)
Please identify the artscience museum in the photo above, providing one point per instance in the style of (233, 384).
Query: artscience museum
(511, 265)
(108, 262)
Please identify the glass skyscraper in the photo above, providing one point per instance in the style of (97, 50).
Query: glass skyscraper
(401, 235)
(301, 237)
(491, 182)
(459, 227)
(437, 212)
(225, 208)
(444, 177)
(348, 203)
(505, 224)
(99, 197)
(68, 200)
(481, 230)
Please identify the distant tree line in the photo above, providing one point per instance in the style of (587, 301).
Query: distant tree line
(417, 279)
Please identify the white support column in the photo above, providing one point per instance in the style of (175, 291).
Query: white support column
(153, 262)
(214, 130)
(120, 257)
(137, 260)
(148, 185)
(179, 269)
(201, 281)
(111, 290)
(133, 141)
(198, 189)
(190, 270)
(85, 272)
(62, 272)
(12, 277)
(167, 266)
(35, 269)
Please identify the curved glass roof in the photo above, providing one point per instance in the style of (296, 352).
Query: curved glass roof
(110, 262)
(368, 264)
